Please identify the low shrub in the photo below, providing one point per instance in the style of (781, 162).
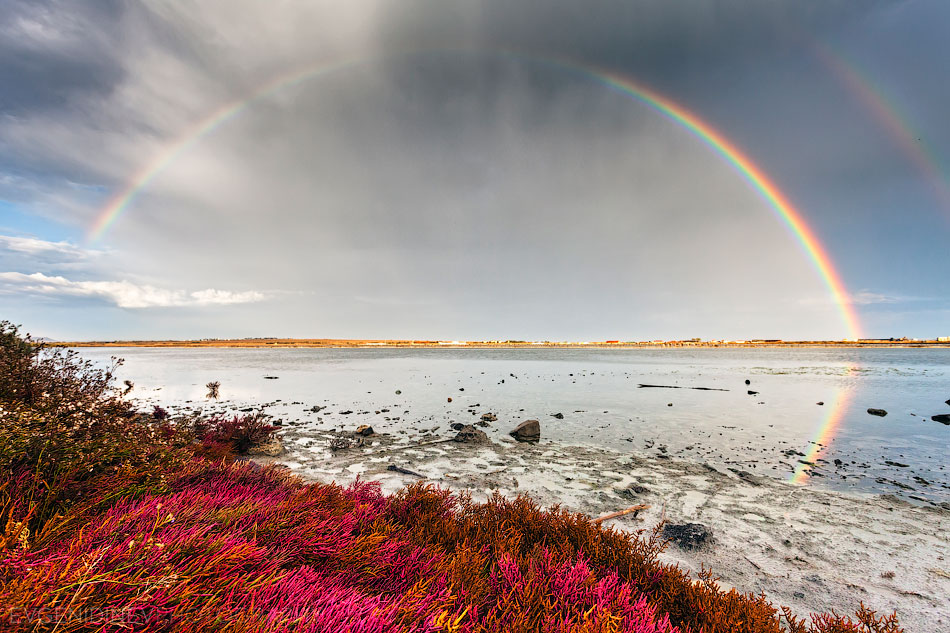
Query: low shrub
(238, 433)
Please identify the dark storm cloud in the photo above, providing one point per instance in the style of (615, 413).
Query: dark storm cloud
(54, 51)
(654, 37)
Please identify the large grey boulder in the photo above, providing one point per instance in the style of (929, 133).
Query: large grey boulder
(527, 431)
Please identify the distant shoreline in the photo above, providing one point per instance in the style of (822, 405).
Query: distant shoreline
(384, 344)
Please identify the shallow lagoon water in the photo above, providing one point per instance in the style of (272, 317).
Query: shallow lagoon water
(597, 392)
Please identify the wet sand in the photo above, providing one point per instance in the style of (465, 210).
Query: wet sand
(811, 550)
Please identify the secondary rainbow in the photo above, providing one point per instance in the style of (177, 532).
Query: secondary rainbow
(889, 117)
(755, 176)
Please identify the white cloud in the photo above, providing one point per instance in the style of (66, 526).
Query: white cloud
(33, 246)
(861, 298)
(865, 297)
(123, 294)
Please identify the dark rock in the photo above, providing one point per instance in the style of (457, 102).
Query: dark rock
(943, 418)
(820, 404)
(468, 434)
(365, 430)
(483, 424)
(489, 417)
(898, 464)
(559, 416)
(687, 535)
(670, 404)
(634, 491)
(838, 462)
(458, 426)
(527, 431)
(878, 412)
(271, 377)
(450, 399)
(748, 382)
(746, 476)
(347, 412)
(753, 393)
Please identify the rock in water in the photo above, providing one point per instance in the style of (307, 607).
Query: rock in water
(943, 418)
(559, 416)
(527, 431)
(489, 417)
(687, 535)
(468, 434)
(878, 412)
(365, 430)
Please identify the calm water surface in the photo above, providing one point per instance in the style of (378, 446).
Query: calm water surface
(768, 432)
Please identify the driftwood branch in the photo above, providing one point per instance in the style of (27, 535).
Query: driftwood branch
(613, 515)
(642, 386)
(408, 446)
(404, 471)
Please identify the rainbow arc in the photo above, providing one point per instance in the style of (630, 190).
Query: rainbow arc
(716, 141)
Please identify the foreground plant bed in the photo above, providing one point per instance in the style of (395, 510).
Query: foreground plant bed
(113, 521)
(231, 548)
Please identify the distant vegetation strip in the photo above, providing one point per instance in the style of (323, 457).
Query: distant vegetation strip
(340, 343)
(114, 520)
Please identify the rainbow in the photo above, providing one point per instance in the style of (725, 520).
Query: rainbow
(754, 175)
(889, 117)
(825, 434)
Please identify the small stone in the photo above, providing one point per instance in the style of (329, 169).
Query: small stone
(559, 416)
(748, 382)
(943, 418)
(468, 434)
(687, 535)
(878, 412)
(450, 399)
(820, 404)
(753, 393)
(398, 392)
(489, 417)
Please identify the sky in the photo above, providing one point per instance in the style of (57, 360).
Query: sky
(461, 170)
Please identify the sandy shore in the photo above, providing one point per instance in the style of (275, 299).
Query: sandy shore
(808, 549)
